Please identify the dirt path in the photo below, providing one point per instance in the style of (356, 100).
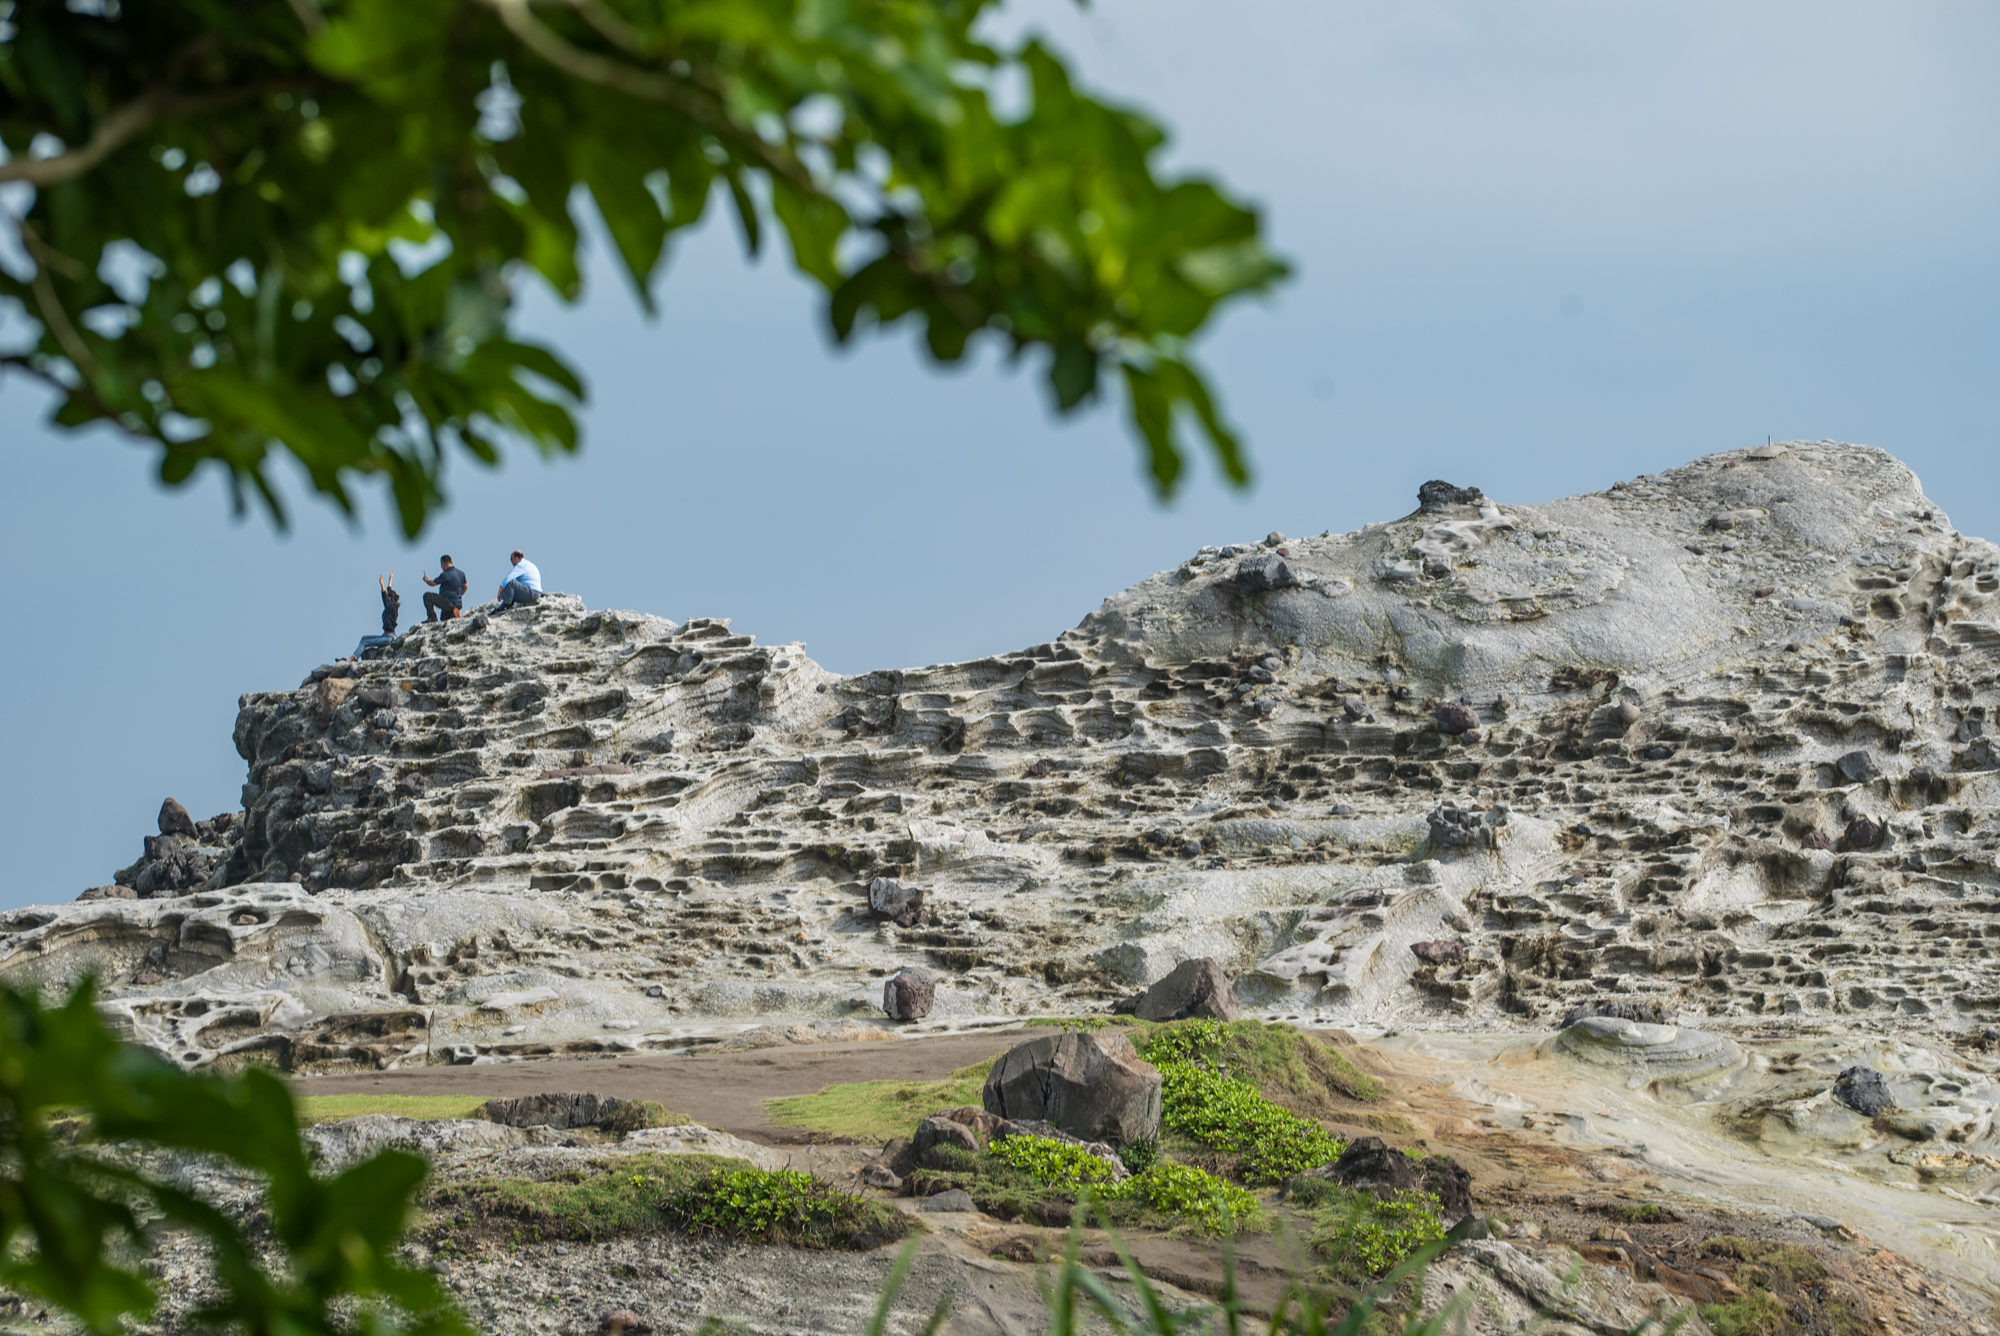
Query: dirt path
(722, 1090)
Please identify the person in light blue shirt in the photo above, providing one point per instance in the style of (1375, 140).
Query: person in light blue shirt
(523, 584)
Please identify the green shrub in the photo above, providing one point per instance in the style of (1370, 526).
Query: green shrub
(1056, 1164)
(1193, 1195)
(1361, 1236)
(769, 1205)
(1232, 1117)
(1139, 1156)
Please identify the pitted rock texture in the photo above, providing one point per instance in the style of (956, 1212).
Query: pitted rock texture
(560, 829)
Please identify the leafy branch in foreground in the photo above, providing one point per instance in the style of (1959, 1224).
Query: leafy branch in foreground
(70, 1210)
(300, 223)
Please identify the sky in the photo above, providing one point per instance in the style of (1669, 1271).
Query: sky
(1539, 247)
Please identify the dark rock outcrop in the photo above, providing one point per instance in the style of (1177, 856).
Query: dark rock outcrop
(1094, 1087)
(1193, 988)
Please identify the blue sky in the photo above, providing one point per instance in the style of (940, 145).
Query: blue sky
(1540, 247)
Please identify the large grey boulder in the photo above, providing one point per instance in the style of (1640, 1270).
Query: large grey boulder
(1095, 1087)
(1194, 988)
(578, 1109)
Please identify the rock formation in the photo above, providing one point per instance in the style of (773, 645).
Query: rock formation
(1709, 744)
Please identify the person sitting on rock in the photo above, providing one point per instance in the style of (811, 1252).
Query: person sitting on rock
(392, 608)
(450, 596)
(523, 584)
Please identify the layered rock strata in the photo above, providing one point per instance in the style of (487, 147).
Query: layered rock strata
(1711, 743)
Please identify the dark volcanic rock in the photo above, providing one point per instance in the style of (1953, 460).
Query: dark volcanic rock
(1260, 575)
(1091, 1086)
(1863, 833)
(1437, 494)
(1863, 1090)
(1193, 988)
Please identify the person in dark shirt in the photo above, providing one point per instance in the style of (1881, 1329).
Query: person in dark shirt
(392, 608)
(450, 595)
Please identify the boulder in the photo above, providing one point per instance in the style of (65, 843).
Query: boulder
(908, 994)
(1445, 951)
(951, 1199)
(174, 820)
(1437, 494)
(1864, 1090)
(1454, 717)
(1193, 988)
(1094, 1087)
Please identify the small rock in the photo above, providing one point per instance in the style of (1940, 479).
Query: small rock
(1193, 988)
(1863, 833)
(908, 994)
(1260, 575)
(1657, 753)
(1625, 713)
(954, 1199)
(174, 819)
(624, 1322)
(1445, 951)
(875, 1174)
(145, 979)
(656, 990)
(938, 1132)
(1455, 718)
(1858, 767)
(1864, 1090)
(1273, 538)
(1814, 839)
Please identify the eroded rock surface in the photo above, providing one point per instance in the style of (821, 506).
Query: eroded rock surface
(1727, 758)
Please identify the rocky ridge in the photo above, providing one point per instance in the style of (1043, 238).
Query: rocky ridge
(1711, 743)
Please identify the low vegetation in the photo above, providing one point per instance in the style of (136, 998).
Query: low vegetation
(875, 1111)
(1211, 1095)
(314, 1109)
(1359, 1236)
(635, 1194)
(1040, 1180)
(1786, 1292)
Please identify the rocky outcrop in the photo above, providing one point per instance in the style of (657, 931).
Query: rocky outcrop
(1729, 759)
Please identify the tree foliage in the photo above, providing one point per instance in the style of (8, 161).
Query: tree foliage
(300, 224)
(83, 1211)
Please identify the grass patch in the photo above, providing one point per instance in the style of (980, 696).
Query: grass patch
(1787, 1291)
(875, 1111)
(314, 1109)
(639, 1194)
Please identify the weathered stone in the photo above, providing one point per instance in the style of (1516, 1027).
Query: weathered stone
(1261, 575)
(951, 1199)
(935, 1133)
(1455, 718)
(890, 898)
(1438, 494)
(1626, 713)
(174, 819)
(551, 1110)
(907, 995)
(1864, 1090)
(1193, 988)
(1445, 951)
(624, 1322)
(1092, 1086)
(1863, 833)
(1857, 767)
